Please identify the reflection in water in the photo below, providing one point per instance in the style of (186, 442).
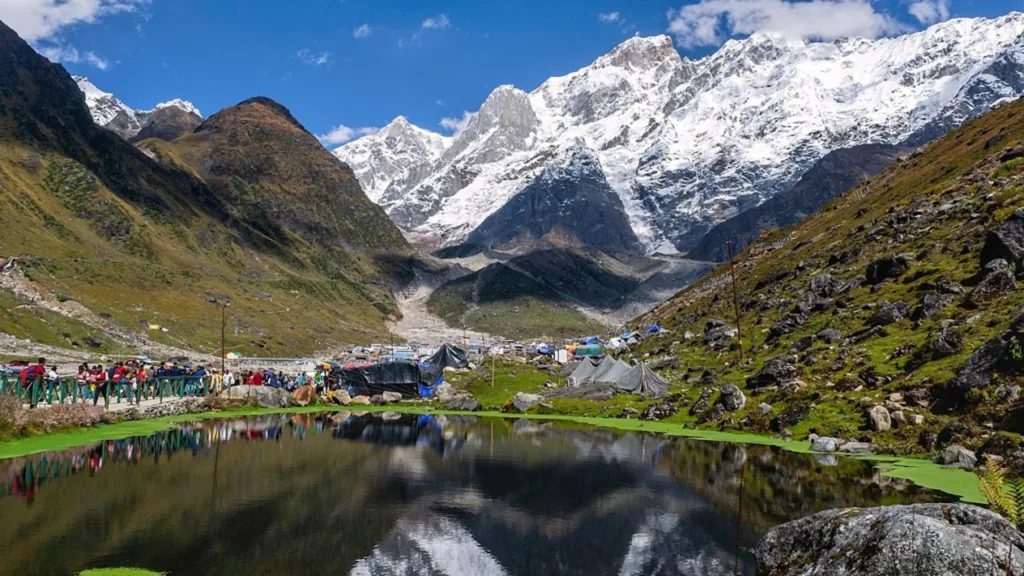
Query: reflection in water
(407, 494)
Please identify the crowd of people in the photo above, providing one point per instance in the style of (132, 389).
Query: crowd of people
(134, 379)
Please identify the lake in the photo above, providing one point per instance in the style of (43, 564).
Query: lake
(345, 493)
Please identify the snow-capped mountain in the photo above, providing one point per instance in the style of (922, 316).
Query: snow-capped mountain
(689, 143)
(113, 114)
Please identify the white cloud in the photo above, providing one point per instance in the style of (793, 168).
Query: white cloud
(930, 11)
(341, 134)
(456, 125)
(609, 16)
(712, 22)
(362, 31)
(439, 22)
(311, 58)
(440, 102)
(36, 20)
(59, 53)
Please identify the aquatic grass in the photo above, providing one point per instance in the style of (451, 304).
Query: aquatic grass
(119, 572)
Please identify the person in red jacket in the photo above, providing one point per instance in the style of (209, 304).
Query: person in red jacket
(257, 378)
(34, 373)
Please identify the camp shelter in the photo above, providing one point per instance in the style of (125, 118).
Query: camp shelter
(584, 371)
(401, 376)
(589, 350)
(448, 356)
(642, 380)
(655, 329)
(616, 344)
(610, 371)
(592, 340)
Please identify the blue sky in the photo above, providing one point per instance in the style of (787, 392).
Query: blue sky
(360, 63)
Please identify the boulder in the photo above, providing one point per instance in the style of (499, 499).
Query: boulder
(899, 419)
(1005, 241)
(628, 412)
(889, 313)
(946, 343)
(659, 411)
(462, 403)
(830, 336)
(918, 397)
(858, 448)
(789, 417)
(878, 419)
(994, 285)
(716, 413)
(732, 398)
(266, 396)
(999, 445)
(787, 324)
(391, 397)
(824, 444)
(915, 419)
(304, 395)
(764, 409)
(825, 285)
(717, 333)
(953, 432)
(886, 268)
(1009, 394)
(931, 304)
(977, 371)
(915, 540)
(774, 371)
(341, 397)
(377, 400)
(522, 402)
(444, 392)
(364, 400)
(702, 403)
(956, 456)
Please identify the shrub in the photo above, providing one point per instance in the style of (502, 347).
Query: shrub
(1005, 495)
(64, 416)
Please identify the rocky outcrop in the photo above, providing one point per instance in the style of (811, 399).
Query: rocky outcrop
(917, 540)
(266, 396)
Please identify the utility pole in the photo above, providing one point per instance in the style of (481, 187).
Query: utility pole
(223, 325)
(735, 300)
(492, 367)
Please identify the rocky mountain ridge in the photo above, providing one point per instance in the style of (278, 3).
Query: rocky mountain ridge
(166, 120)
(687, 144)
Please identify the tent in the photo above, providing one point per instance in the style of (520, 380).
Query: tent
(611, 371)
(642, 380)
(591, 350)
(616, 344)
(448, 356)
(402, 377)
(655, 329)
(592, 340)
(584, 371)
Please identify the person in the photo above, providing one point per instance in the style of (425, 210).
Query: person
(82, 379)
(257, 378)
(141, 376)
(121, 381)
(54, 380)
(229, 379)
(34, 373)
(102, 381)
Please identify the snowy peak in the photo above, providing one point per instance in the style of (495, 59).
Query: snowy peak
(573, 161)
(113, 114)
(504, 124)
(641, 53)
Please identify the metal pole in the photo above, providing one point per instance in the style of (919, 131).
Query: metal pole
(492, 368)
(223, 324)
(735, 300)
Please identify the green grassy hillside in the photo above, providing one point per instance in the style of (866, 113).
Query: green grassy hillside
(892, 273)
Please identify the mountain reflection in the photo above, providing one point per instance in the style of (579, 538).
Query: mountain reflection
(407, 494)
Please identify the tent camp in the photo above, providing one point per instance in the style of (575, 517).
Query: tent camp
(655, 329)
(402, 377)
(592, 340)
(584, 371)
(448, 356)
(610, 371)
(616, 344)
(589, 350)
(642, 380)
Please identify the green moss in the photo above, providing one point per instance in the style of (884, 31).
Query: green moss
(119, 572)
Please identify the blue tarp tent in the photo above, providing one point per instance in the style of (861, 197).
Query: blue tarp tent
(655, 329)
(626, 335)
(593, 340)
(589, 350)
(546, 350)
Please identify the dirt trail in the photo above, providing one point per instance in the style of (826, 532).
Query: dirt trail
(419, 326)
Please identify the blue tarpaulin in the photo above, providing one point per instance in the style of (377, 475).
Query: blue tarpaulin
(593, 340)
(654, 329)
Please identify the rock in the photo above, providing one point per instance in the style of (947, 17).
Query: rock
(927, 440)
(377, 400)
(918, 397)
(764, 409)
(825, 285)
(947, 343)
(956, 456)
(896, 397)
(774, 371)
(824, 444)
(1005, 241)
(628, 412)
(887, 268)
(949, 287)
(522, 402)
(708, 378)
(391, 397)
(858, 448)
(830, 336)
(899, 419)
(789, 417)
(977, 371)
(878, 419)
(659, 411)
(1008, 394)
(732, 398)
(787, 324)
(341, 397)
(915, 419)
(304, 395)
(266, 396)
(702, 403)
(364, 400)
(889, 313)
(931, 304)
(998, 445)
(444, 392)
(716, 413)
(717, 333)
(802, 344)
(996, 284)
(464, 403)
(915, 540)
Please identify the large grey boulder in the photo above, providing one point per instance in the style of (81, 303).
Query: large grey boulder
(522, 401)
(463, 403)
(732, 398)
(391, 397)
(266, 396)
(1005, 241)
(878, 419)
(824, 444)
(956, 456)
(916, 540)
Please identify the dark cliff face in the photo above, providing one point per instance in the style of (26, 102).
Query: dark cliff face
(834, 174)
(569, 205)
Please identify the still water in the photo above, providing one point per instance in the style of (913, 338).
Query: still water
(344, 493)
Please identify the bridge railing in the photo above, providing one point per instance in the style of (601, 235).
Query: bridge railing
(68, 391)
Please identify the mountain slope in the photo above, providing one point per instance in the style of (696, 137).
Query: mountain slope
(690, 143)
(110, 242)
(570, 204)
(834, 174)
(892, 292)
(166, 121)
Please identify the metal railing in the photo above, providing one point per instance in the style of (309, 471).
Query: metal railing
(68, 391)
